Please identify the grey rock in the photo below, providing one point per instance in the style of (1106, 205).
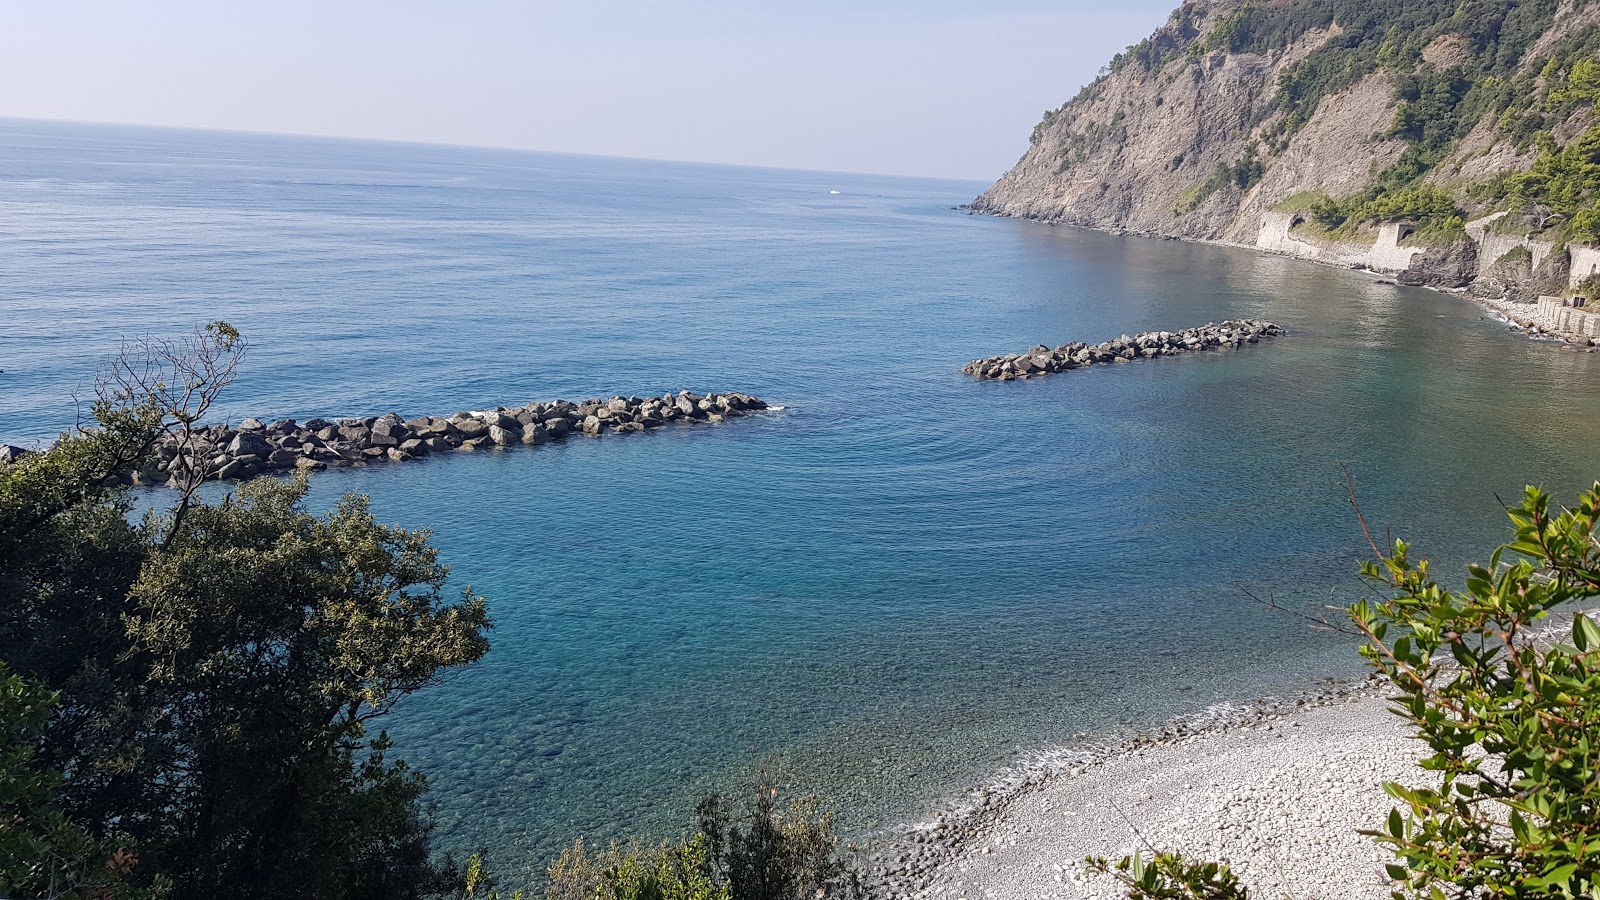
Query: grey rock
(249, 443)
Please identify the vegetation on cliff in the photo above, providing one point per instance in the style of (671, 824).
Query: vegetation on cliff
(1488, 106)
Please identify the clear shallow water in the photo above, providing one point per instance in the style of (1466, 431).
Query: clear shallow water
(892, 586)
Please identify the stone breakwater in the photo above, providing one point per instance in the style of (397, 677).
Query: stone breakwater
(254, 448)
(1042, 360)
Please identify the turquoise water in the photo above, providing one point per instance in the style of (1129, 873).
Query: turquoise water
(892, 586)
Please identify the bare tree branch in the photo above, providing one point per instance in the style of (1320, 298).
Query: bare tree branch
(179, 381)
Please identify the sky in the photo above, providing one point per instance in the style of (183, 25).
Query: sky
(909, 87)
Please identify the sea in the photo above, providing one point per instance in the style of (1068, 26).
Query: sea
(896, 585)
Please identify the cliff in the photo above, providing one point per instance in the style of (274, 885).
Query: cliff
(1449, 142)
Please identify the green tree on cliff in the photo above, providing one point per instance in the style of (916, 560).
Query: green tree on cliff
(221, 667)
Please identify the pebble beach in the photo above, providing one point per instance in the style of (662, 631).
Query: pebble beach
(1279, 792)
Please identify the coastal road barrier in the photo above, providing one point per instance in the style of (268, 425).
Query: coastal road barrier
(254, 448)
(1041, 360)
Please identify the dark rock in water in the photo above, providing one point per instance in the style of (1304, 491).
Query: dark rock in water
(256, 449)
(249, 443)
(471, 427)
(1041, 360)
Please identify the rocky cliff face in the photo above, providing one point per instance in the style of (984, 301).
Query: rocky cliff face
(1368, 133)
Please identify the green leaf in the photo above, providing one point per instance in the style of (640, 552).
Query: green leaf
(1585, 633)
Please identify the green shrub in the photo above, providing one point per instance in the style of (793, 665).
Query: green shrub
(1170, 876)
(1511, 720)
(1567, 180)
(42, 852)
(754, 848)
(1509, 711)
(1243, 175)
(667, 872)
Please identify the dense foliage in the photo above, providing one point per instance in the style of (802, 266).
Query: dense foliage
(216, 670)
(752, 848)
(42, 852)
(1510, 718)
(1564, 181)
(1434, 211)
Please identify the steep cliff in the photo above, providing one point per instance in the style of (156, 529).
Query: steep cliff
(1447, 141)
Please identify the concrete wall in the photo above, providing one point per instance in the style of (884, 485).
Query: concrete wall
(1585, 262)
(1386, 254)
(1274, 236)
(1552, 314)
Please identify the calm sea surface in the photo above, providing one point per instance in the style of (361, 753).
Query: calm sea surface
(891, 587)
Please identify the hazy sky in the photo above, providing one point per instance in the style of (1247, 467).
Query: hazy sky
(915, 87)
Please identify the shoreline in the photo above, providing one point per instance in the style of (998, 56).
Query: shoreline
(1026, 831)
(1502, 309)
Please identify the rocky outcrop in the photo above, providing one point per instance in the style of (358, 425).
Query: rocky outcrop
(1451, 266)
(254, 448)
(1184, 137)
(1042, 360)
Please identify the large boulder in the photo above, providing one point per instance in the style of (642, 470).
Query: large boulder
(10, 454)
(249, 443)
(472, 427)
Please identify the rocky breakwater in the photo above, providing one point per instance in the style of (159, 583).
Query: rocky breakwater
(1042, 360)
(254, 448)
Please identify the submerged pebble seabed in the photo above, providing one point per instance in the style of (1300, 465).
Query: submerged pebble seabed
(1041, 360)
(255, 448)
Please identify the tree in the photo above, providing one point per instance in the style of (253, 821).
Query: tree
(221, 666)
(42, 852)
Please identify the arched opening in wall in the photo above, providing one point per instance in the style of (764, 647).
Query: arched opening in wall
(1296, 220)
(1405, 232)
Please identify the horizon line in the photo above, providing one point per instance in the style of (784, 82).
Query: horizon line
(309, 135)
